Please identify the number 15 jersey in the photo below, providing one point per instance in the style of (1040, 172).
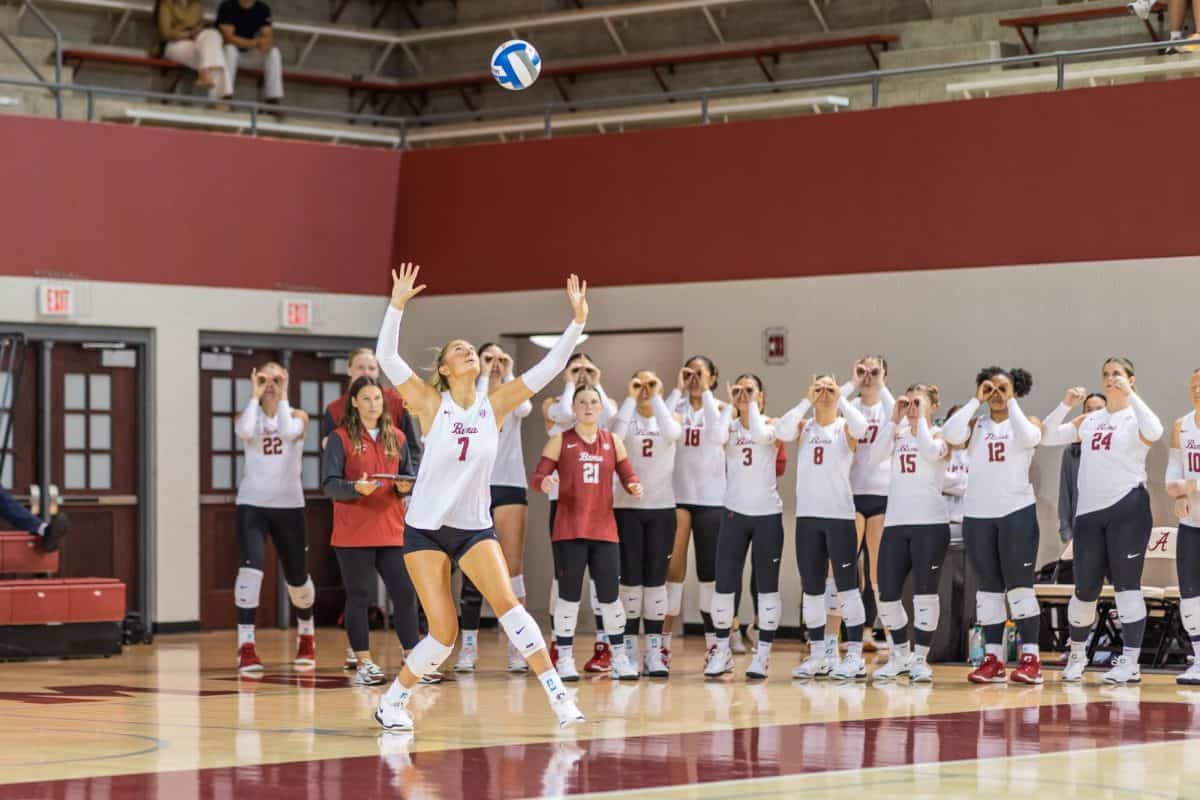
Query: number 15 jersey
(453, 487)
(585, 492)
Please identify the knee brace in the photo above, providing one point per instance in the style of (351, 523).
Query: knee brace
(523, 630)
(707, 590)
(892, 614)
(722, 610)
(812, 607)
(851, 604)
(518, 586)
(613, 615)
(427, 656)
(247, 587)
(831, 601)
(302, 596)
(1023, 603)
(989, 608)
(674, 599)
(631, 596)
(566, 615)
(1189, 609)
(654, 603)
(770, 611)
(926, 609)
(1081, 613)
(1131, 606)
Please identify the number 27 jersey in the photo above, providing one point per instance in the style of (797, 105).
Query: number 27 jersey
(585, 493)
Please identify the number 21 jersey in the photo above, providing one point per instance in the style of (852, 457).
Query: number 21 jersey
(585, 493)
(453, 486)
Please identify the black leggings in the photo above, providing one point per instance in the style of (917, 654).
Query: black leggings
(601, 559)
(286, 528)
(820, 542)
(706, 526)
(1113, 541)
(1187, 560)
(738, 533)
(917, 549)
(359, 567)
(647, 539)
(1003, 553)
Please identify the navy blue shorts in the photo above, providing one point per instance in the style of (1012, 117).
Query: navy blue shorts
(870, 505)
(509, 496)
(454, 542)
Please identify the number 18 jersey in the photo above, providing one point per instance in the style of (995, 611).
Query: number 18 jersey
(585, 492)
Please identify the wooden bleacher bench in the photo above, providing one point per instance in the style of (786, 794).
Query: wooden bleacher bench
(1085, 13)
(1091, 74)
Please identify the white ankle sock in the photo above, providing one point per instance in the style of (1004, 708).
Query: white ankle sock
(1132, 653)
(996, 650)
(921, 651)
(553, 686)
(1031, 649)
(305, 627)
(470, 638)
(666, 640)
(763, 648)
(245, 634)
(901, 650)
(854, 649)
(711, 638)
(397, 694)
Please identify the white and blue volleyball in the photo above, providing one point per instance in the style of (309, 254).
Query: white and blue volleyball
(516, 65)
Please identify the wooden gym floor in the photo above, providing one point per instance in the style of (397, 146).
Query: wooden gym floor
(174, 720)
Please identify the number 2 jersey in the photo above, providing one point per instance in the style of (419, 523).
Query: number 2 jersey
(652, 455)
(274, 459)
(1112, 459)
(585, 489)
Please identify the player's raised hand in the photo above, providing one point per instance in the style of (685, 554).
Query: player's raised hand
(404, 286)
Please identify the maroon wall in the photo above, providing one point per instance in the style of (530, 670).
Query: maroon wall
(1080, 175)
(165, 206)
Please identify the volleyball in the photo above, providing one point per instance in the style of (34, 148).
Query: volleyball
(516, 65)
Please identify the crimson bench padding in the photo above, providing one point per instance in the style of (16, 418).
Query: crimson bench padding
(21, 552)
(55, 601)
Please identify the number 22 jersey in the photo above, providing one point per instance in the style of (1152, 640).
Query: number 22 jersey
(585, 492)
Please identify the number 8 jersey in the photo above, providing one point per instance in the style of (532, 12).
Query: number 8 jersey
(453, 487)
(585, 492)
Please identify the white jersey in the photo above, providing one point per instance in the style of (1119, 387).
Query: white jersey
(865, 477)
(823, 463)
(1112, 459)
(699, 462)
(1189, 446)
(274, 461)
(510, 456)
(750, 486)
(956, 483)
(915, 491)
(453, 486)
(652, 457)
(999, 471)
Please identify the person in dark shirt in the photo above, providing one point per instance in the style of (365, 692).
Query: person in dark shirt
(15, 514)
(245, 26)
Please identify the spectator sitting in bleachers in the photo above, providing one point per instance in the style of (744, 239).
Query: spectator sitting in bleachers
(183, 38)
(15, 514)
(246, 28)
(1176, 12)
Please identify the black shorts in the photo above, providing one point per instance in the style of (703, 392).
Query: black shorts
(454, 542)
(870, 505)
(509, 496)
(694, 509)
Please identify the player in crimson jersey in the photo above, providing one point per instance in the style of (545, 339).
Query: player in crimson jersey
(581, 463)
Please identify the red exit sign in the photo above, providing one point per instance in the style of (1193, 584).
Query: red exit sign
(297, 314)
(56, 300)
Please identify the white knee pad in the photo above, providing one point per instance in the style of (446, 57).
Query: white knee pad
(722, 610)
(302, 596)
(989, 608)
(518, 586)
(523, 630)
(893, 615)
(1024, 603)
(1080, 614)
(613, 615)
(853, 610)
(812, 607)
(707, 590)
(1131, 606)
(427, 656)
(654, 603)
(926, 609)
(674, 599)
(631, 597)
(566, 615)
(831, 601)
(1189, 609)
(247, 587)
(770, 610)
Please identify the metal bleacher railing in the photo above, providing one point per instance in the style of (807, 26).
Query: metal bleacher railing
(699, 105)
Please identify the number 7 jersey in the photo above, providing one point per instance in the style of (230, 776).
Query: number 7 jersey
(453, 487)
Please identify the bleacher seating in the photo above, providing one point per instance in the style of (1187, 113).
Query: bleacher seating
(1027, 27)
(48, 617)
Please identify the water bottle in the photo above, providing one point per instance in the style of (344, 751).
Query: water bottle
(1010, 641)
(977, 648)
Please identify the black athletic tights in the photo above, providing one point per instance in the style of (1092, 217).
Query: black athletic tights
(738, 533)
(601, 559)
(359, 567)
(706, 524)
(647, 539)
(1003, 554)
(286, 528)
(917, 549)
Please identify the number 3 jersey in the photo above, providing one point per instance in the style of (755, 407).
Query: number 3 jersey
(585, 491)
(453, 487)
(274, 461)
(1112, 459)
(999, 482)
(750, 483)
(823, 462)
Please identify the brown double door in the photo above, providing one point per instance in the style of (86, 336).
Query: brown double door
(224, 392)
(75, 447)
